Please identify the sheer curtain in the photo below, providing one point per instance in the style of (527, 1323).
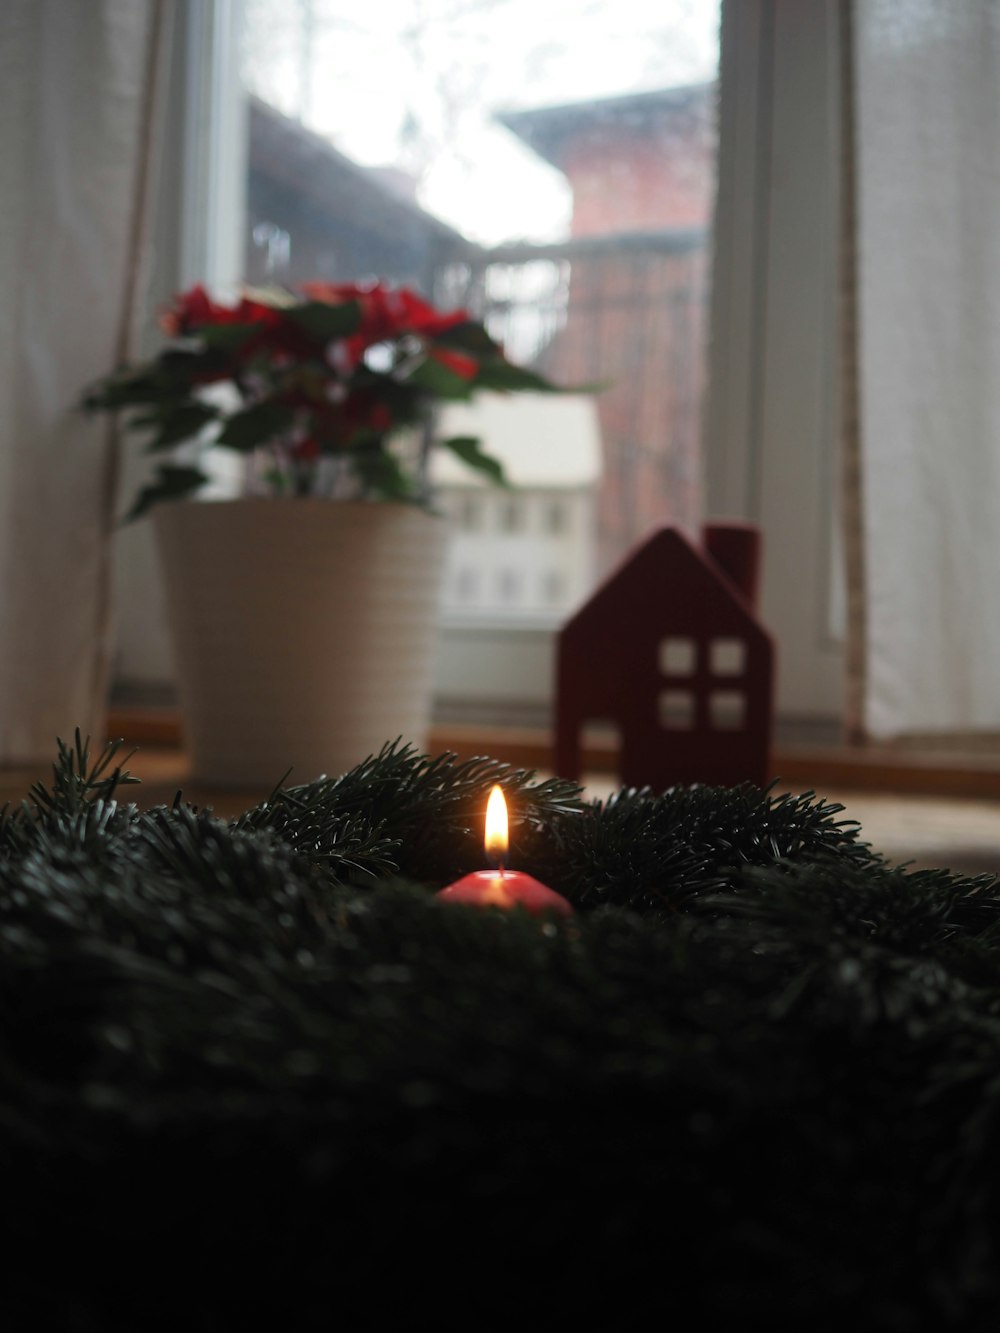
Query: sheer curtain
(76, 116)
(925, 176)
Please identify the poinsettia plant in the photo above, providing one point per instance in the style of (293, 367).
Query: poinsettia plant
(328, 392)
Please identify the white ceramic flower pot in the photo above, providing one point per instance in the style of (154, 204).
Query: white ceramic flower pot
(304, 631)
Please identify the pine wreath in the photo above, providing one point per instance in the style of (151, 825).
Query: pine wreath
(253, 1072)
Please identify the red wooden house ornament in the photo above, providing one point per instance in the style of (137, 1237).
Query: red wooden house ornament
(669, 649)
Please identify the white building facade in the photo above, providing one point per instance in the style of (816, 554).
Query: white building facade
(521, 559)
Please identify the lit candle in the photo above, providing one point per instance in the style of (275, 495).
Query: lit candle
(502, 887)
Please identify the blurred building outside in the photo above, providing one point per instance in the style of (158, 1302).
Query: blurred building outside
(641, 168)
(621, 303)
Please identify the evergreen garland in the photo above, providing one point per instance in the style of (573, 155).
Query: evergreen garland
(252, 1071)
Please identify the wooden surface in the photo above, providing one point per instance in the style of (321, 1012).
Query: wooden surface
(927, 809)
(161, 762)
(797, 767)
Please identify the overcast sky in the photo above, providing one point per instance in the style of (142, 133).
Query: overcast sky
(422, 98)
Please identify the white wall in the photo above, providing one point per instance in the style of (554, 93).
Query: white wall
(518, 554)
(197, 237)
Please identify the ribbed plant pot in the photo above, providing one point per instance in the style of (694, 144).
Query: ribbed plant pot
(304, 631)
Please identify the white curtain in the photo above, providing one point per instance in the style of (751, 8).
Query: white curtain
(927, 176)
(74, 113)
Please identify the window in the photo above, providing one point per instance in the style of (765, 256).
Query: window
(469, 513)
(556, 517)
(727, 710)
(772, 427)
(509, 583)
(511, 515)
(466, 584)
(727, 657)
(549, 167)
(553, 586)
(678, 657)
(677, 710)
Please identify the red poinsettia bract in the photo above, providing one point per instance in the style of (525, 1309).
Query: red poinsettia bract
(336, 372)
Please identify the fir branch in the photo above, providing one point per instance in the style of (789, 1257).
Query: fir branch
(662, 853)
(757, 1071)
(76, 781)
(424, 815)
(78, 809)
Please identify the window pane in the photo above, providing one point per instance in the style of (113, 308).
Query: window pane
(511, 516)
(551, 168)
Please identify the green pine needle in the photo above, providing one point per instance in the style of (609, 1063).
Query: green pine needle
(256, 1070)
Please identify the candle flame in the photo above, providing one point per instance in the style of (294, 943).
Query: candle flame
(496, 826)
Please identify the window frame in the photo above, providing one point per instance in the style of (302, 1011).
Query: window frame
(771, 438)
(772, 372)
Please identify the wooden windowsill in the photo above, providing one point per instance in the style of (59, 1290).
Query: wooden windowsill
(797, 767)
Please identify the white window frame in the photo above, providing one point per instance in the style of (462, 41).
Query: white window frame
(771, 413)
(771, 437)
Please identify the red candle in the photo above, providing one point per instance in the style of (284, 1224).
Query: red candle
(500, 887)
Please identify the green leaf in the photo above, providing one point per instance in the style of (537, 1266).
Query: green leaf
(503, 374)
(172, 483)
(177, 424)
(325, 321)
(228, 337)
(469, 337)
(170, 377)
(256, 425)
(279, 481)
(438, 380)
(381, 475)
(469, 449)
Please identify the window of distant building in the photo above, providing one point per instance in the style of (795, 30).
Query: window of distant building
(553, 586)
(467, 584)
(512, 515)
(556, 517)
(470, 513)
(509, 582)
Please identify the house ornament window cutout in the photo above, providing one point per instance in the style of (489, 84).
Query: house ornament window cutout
(669, 649)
